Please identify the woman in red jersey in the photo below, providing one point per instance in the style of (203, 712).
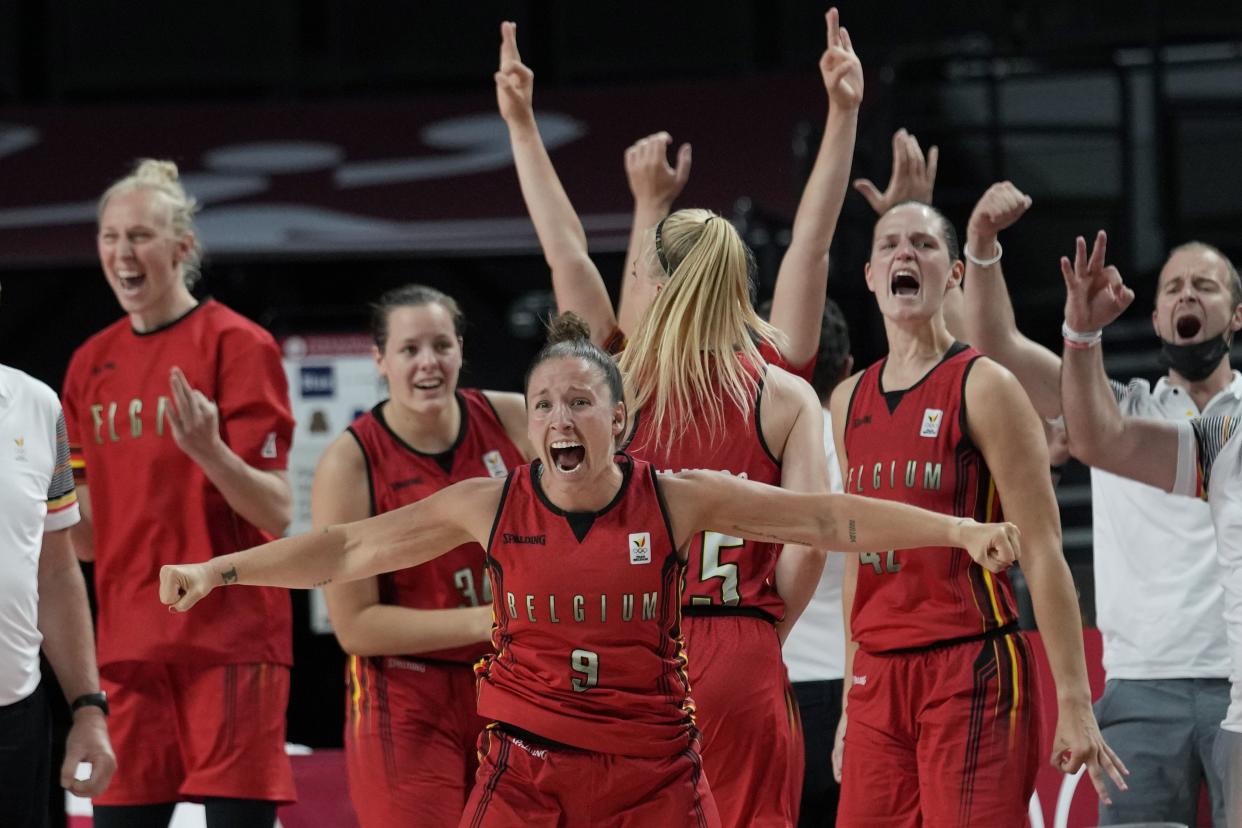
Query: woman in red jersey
(178, 418)
(698, 377)
(943, 698)
(411, 724)
(586, 549)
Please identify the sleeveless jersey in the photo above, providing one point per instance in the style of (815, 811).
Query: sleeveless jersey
(398, 474)
(588, 648)
(725, 574)
(912, 446)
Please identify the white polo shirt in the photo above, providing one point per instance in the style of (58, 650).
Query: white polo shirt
(38, 496)
(1158, 594)
(815, 648)
(1210, 457)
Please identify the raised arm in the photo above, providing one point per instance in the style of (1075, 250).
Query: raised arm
(802, 282)
(655, 186)
(363, 625)
(1144, 450)
(394, 540)
(987, 312)
(575, 279)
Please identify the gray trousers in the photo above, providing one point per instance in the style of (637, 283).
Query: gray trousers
(1227, 757)
(1164, 730)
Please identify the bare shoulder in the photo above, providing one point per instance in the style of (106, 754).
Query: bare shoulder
(510, 407)
(343, 456)
(990, 385)
(785, 397)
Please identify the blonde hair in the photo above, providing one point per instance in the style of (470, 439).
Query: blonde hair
(698, 337)
(162, 178)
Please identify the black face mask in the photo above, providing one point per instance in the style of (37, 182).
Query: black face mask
(1195, 362)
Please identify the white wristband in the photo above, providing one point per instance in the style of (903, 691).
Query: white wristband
(1081, 338)
(975, 260)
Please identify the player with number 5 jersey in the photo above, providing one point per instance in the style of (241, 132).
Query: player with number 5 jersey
(413, 635)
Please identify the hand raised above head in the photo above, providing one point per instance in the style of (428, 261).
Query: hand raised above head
(999, 208)
(1095, 294)
(515, 82)
(649, 174)
(840, 67)
(913, 177)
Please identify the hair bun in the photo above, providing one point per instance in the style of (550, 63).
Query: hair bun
(568, 327)
(154, 169)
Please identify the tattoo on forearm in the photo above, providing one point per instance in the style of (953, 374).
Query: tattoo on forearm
(853, 532)
(229, 577)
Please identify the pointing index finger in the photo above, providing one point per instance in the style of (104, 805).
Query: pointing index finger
(834, 27)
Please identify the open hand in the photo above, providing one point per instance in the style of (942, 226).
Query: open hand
(194, 419)
(652, 180)
(1094, 292)
(515, 82)
(913, 177)
(842, 71)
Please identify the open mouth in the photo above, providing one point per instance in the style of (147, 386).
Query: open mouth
(567, 455)
(904, 283)
(429, 385)
(1188, 327)
(131, 282)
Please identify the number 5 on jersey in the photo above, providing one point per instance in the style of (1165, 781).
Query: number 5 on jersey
(711, 567)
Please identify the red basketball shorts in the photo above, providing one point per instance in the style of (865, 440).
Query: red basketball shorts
(410, 735)
(946, 736)
(185, 732)
(528, 782)
(745, 709)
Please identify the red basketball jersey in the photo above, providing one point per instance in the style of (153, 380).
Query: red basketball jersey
(912, 446)
(399, 474)
(153, 505)
(725, 574)
(588, 633)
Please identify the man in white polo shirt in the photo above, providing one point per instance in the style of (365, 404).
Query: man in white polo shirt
(42, 603)
(1158, 595)
(1201, 457)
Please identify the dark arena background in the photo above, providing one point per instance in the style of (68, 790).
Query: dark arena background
(339, 149)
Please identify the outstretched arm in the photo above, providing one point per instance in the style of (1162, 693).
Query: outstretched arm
(575, 279)
(699, 500)
(1144, 450)
(363, 625)
(655, 186)
(802, 282)
(987, 312)
(404, 537)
